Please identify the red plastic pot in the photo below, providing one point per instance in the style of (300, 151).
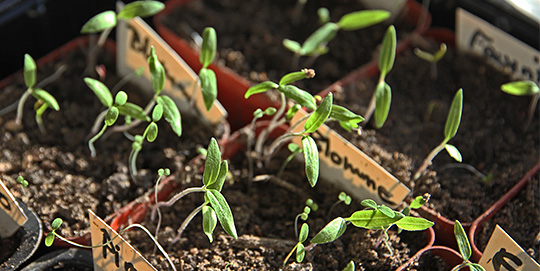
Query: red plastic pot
(477, 224)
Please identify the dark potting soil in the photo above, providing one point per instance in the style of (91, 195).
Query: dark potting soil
(429, 262)
(9, 246)
(264, 214)
(490, 138)
(250, 35)
(64, 180)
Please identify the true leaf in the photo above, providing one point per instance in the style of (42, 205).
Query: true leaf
(369, 203)
(292, 45)
(454, 116)
(462, 241)
(320, 115)
(453, 152)
(133, 110)
(410, 223)
(100, 22)
(29, 71)
(387, 211)
(100, 90)
(157, 72)
(208, 47)
(259, 88)
(209, 221)
(343, 114)
(112, 116)
(46, 97)
(418, 202)
(349, 267)
(140, 9)
(521, 88)
(383, 99)
(171, 113)
(372, 219)
(212, 164)
(208, 87)
(300, 252)
(388, 51)
(330, 232)
(151, 132)
(223, 212)
(311, 157)
(298, 95)
(304, 232)
(322, 35)
(292, 111)
(292, 77)
(222, 175)
(362, 19)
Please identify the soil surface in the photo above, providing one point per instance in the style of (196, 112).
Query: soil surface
(65, 181)
(250, 35)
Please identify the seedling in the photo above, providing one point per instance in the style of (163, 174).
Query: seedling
(382, 98)
(24, 183)
(464, 249)
(215, 207)
(316, 43)
(524, 88)
(325, 111)
(207, 77)
(342, 198)
(450, 129)
(57, 223)
(432, 58)
(44, 98)
(304, 232)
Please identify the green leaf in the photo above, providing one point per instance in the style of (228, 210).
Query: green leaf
(140, 9)
(304, 232)
(151, 132)
(46, 97)
(300, 252)
(208, 48)
(330, 232)
(372, 219)
(453, 152)
(383, 99)
(100, 90)
(112, 116)
(475, 267)
(298, 95)
(120, 98)
(410, 223)
(261, 87)
(388, 51)
(387, 211)
(270, 111)
(157, 72)
(157, 113)
(349, 267)
(324, 15)
(311, 157)
(320, 115)
(343, 114)
(369, 203)
(293, 77)
(521, 88)
(292, 111)
(49, 239)
(292, 45)
(258, 113)
(171, 112)
(418, 202)
(223, 212)
(209, 221)
(440, 53)
(321, 36)
(133, 110)
(454, 116)
(213, 161)
(29, 71)
(57, 222)
(462, 241)
(293, 147)
(208, 87)
(222, 175)
(100, 22)
(362, 19)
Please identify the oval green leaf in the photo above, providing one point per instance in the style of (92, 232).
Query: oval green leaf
(29, 71)
(300, 252)
(387, 211)
(349, 267)
(261, 87)
(462, 241)
(46, 97)
(388, 51)
(372, 219)
(418, 202)
(298, 95)
(100, 90)
(321, 114)
(212, 164)
(292, 45)
(120, 98)
(208, 87)
(112, 116)
(362, 19)
(208, 48)
(100, 22)
(369, 203)
(222, 175)
(410, 223)
(133, 110)
(311, 158)
(157, 72)
(171, 113)
(321, 36)
(151, 132)
(157, 113)
(453, 152)
(343, 114)
(49, 239)
(223, 211)
(304, 232)
(331, 232)
(140, 9)
(383, 99)
(292, 77)
(521, 88)
(454, 116)
(209, 221)
(57, 222)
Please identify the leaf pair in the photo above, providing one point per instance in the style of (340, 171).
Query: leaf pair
(207, 76)
(45, 99)
(383, 92)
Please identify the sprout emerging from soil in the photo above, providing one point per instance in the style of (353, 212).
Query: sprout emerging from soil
(464, 249)
(304, 232)
(524, 88)
(432, 58)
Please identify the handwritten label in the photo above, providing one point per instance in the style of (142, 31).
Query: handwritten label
(503, 253)
(134, 40)
(500, 49)
(351, 169)
(12, 217)
(118, 254)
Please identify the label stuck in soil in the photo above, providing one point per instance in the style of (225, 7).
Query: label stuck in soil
(503, 253)
(134, 40)
(351, 169)
(12, 217)
(502, 50)
(118, 254)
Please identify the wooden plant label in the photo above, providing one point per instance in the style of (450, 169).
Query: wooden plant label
(117, 255)
(351, 169)
(502, 50)
(503, 253)
(12, 217)
(134, 40)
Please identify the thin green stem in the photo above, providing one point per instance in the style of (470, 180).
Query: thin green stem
(186, 222)
(156, 189)
(176, 198)
(93, 139)
(428, 159)
(290, 254)
(133, 162)
(99, 119)
(273, 125)
(286, 162)
(39, 120)
(20, 106)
